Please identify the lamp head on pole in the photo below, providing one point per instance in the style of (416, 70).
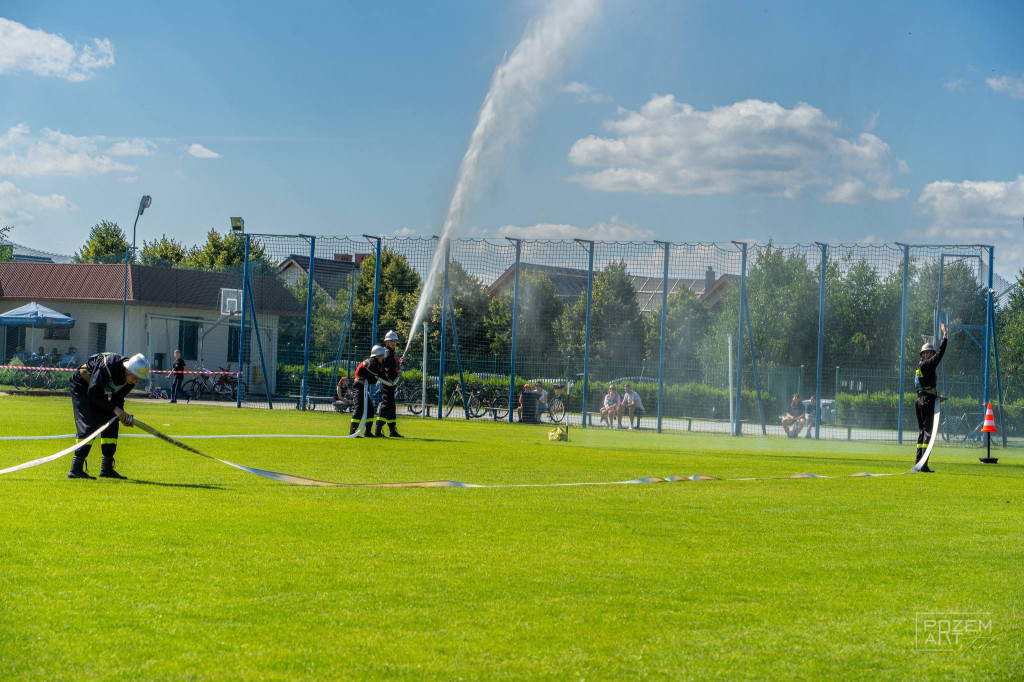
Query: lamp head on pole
(145, 203)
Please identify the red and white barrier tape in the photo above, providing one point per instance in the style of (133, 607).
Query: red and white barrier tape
(33, 368)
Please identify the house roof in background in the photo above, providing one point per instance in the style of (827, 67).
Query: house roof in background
(25, 254)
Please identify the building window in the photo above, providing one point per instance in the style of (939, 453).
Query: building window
(98, 337)
(234, 335)
(188, 339)
(58, 333)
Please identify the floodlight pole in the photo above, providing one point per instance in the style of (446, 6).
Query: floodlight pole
(376, 288)
(903, 343)
(661, 338)
(821, 339)
(515, 315)
(309, 323)
(241, 332)
(589, 246)
(144, 203)
(737, 412)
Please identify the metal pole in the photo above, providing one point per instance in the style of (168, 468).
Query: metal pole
(444, 332)
(241, 333)
(309, 327)
(589, 246)
(515, 316)
(259, 347)
(376, 292)
(661, 342)
(903, 343)
(423, 380)
(124, 292)
(737, 411)
(731, 415)
(458, 356)
(999, 381)
(753, 366)
(989, 308)
(821, 339)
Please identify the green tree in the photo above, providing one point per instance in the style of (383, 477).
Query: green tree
(470, 304)
(399, 292)
(687, 324)
(860, 309)
(6, 250)
(1010, 328)
(220, 252)
(163, 252)
(540, 308)
(106, 244)
(617, 329)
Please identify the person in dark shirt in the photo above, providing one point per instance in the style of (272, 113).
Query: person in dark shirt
(98, 390)
(927, 394)
(392, 370)
(177, 376)
(794, 417)
(368, 373)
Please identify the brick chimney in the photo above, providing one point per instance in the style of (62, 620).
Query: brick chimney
(360, 257)
(709, 279)
(343, 257)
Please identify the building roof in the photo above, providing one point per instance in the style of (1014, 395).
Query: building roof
(25, 254)
(571, 283)
(169, 287)
(329, 274)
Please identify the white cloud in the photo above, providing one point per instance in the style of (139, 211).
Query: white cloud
(16, 205)
(27, 50)
(53, 153)
(1008, 85)
(614, 229)
(749, 147)
(584, 93)
(133, 147)
(404, 232)
(978, 211)
(955, 85)
(201, 152)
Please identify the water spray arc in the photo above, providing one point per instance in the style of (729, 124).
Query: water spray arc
(516, 86)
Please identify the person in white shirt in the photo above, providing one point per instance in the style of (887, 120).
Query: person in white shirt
(542, 399)
(631, 405)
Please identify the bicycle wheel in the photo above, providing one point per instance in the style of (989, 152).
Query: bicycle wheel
(500, 407)
(475, 408)
(23, 381)
(194, 389)
(557, 410)
(415, 401)
(451, 404)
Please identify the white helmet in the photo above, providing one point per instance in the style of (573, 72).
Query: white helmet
(137, 365)
(925, 347)
(391, 336)
(378, 351)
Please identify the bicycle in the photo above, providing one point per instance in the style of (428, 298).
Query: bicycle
(204, 384)
(457, 395)
(409, 395)
(155, 393)
(556, 406)
(959, 429)
(496, 402)
(32, 377)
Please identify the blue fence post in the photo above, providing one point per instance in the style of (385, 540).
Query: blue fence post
(458, 357)
(124, 294)
(444, 337)
(259, 345)
(999, 381)
(903, 343)
(753, 366)
(515, 316)
(661, 341)
(589, 246)
(821, 339)
(376, 290)
(309, 326)
(988, 336)
(241, 332)
(737, 402)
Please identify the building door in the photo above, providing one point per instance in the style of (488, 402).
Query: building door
(97, 337)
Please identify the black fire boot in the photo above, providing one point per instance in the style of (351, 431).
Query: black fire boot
(378, 431)
(352, 428)
(107, 466)
(393, 431)
(78, 466)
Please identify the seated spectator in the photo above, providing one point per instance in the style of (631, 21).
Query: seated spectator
(20, 354)
(343, 399)
(69, 359)
(54, 356)
(808, 420)
(519, 410)
(793, 420)
(631, 405)
(542, 398)
(610, 408)
(40, 355)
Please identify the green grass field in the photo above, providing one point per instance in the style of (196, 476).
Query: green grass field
(193, 569)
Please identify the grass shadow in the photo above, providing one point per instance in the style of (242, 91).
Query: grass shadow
(200, 486)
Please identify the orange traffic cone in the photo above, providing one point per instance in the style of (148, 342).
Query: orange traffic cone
(988, 428)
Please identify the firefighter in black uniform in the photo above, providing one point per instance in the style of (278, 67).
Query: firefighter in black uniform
(98, 390)
(927, 394)
(368, 373)
(392, 370)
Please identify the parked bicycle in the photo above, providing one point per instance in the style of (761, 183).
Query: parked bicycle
(495, 402)
(959, 429)
(205, 386)
(409, 395)
(33, 377)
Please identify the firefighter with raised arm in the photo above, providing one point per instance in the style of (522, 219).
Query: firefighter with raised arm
(392, 370)
(368, 373)
(927, 394)
(98, 390)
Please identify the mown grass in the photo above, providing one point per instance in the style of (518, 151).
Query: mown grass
(193, 569)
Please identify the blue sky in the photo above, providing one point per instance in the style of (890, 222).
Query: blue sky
(695, 121)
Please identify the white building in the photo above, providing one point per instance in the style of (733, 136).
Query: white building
(168, 309)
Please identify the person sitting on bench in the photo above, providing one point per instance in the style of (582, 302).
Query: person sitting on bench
(632, 405)
(793, 421)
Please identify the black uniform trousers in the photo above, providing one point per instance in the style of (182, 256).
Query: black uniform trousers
(925, 407)
(357, 409)
(386, 408)
(89, 417)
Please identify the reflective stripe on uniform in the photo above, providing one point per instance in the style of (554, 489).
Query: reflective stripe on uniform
(108, 441)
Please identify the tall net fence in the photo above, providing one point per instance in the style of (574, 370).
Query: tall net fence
(811, 341)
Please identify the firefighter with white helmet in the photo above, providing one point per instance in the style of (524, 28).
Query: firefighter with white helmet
(927, 393)
(98, 390)
(392, 370)
(368, 373)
